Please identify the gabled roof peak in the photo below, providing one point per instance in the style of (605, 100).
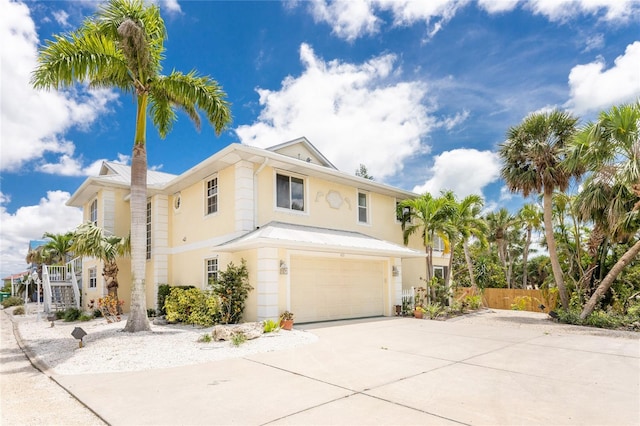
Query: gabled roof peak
(303, 150)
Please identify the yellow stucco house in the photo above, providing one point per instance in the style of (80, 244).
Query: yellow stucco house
(319, 242)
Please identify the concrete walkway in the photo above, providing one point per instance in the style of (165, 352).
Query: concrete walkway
(395, 371)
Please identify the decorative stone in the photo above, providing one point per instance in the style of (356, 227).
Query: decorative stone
(251, 330)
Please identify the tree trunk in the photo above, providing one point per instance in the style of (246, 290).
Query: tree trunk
(553, 253)
(467, 257)
(137, 320)
(525, 258)
(595, 241)
(110, 274)
(447, 278)
(609, 279)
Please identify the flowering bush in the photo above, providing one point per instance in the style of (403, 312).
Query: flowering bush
(192, 306)
(232, 287)
(110, 308)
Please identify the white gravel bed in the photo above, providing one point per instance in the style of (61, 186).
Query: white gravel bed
(106, 348)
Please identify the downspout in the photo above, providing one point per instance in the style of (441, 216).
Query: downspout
(255, 193)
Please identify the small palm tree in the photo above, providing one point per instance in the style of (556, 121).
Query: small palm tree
(529, 217)
(92, 241)
(427, 216)
(532, 162)
(122, 46)
(57, 247)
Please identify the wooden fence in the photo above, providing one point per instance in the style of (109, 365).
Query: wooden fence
(504, 298)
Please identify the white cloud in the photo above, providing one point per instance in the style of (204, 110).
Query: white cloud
(350, 19)
(562, 10)
(450, 122)
(497, 6)
(594, 88)
(172, 6)
(30, 223)
(34, 122)
(594, 42)
(61, 17)
(353, 113)
(464, 171)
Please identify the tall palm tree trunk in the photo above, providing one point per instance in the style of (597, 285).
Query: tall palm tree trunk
(137, 320)
(525, 258)
(609, 279)
(467, 257)
(553, 253)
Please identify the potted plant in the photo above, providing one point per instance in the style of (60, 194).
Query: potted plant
(286, 320)
(419, 312)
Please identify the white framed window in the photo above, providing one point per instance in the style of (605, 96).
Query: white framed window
(363, 207)
(211, 196)
(438, 244)
(148, 230)
(438, 271)
(289, 192)
(93, 212)
(405, 213)
(211, 270)
(93, 277)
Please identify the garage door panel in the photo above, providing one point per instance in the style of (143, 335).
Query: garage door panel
(326, 289)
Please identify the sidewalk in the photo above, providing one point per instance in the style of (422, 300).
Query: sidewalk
(28, 397)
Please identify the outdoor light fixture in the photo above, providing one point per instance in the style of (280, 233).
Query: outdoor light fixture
(78, 333)
(283, 268)
(395, 271)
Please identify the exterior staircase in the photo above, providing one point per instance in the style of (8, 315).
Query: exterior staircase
(60, 286)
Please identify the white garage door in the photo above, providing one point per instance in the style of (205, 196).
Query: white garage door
(327, 289)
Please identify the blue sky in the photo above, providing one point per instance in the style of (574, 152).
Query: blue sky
(420, 92)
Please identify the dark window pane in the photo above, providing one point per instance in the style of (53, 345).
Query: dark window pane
(282, 192)
(297, 194)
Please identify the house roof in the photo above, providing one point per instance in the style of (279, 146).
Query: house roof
(279, 156)
(278, 234)
(15, 276)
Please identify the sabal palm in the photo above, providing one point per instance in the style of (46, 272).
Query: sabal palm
(530, 218)
(610, 149)
(58, 246)
(92, 241)
(532, 162)
(428, 217)
(466, 222)
(122, 46)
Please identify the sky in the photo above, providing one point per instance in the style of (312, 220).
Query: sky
(420, 92)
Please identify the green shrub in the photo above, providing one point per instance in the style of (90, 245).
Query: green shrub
(434, 310)
(205, 338)
(520, 303)
(19, 310)
(270, 325)
(232, 287)
(151, 313)
(603, 319)
(12, 301)
(163, 291)
(72, 314)
(60, 314)
(238, 338)
(571, 316)
(86, 316)
(97, 313)
(474, 302)
(192, 306)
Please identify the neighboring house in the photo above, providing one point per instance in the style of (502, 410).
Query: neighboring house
(321, 243)
(14, 280)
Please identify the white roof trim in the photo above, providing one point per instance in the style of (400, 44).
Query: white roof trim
(277, 234)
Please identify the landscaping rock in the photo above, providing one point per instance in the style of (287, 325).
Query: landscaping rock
(251, 330)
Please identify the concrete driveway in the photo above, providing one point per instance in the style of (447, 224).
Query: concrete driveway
(396, 371)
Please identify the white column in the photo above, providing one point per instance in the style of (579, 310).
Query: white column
(244, 196)
(267, 287)
(397, 282)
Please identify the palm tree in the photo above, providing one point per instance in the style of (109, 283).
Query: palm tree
(466, 222)
(427, 216)
(499, 225)
(122, 46)
(530, 218)
(610, 148)
(533, 157)
(90, 240)
(58, 247)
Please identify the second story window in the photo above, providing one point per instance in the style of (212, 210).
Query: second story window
(93, 212)
(438, 244)
(290, 192)
(404, 214)
(148, 230)
(93, 278)
(363, 208)
(212, 195)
